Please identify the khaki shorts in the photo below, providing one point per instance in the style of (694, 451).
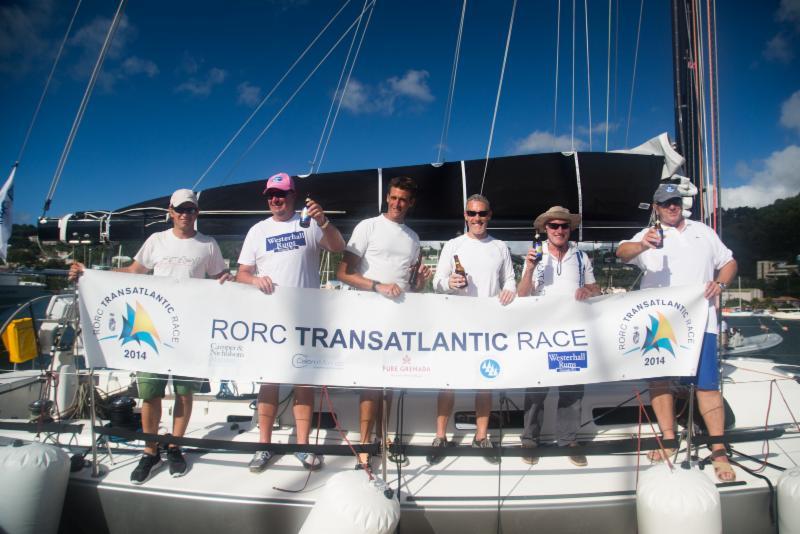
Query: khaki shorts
(152, 385)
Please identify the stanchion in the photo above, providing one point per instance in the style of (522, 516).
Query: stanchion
(686, 464)
(95, 469)
(385, 433)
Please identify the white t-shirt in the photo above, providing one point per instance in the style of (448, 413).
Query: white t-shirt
(387, 250)
(688, 257)
(168, 255)
(284, 251)
(551, 278)
(487, 262)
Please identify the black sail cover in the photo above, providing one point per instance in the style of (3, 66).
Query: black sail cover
(606, 188)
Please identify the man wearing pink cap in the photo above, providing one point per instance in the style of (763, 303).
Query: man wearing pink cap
(181, 252)
(279, 252)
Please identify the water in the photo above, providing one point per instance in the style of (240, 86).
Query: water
(788, 352)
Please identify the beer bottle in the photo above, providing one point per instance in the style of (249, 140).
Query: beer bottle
(305, 219)
(412, 280)
(537, 247)
(660, 230)
(459, 269)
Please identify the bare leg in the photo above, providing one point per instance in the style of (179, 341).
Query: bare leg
(181, 414)
(303, 410)
(267, 406)
(368, 412)
(151, 416)
(664, 408)
(483, 408)
(713, 411)
(444, 408)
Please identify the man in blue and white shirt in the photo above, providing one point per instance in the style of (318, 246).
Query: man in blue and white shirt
(565, 271)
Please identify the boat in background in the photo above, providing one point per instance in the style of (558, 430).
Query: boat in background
(786, 314)
(739, 344)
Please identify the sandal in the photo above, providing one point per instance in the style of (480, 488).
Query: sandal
(659, 455)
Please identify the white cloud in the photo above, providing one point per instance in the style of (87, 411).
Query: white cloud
(790, 112)
(789, 11)
(248, 95)
(778, 49)
(539, 141)
(202, 87)
(778, 177)
(411, 90)
(135, 65)
(599, 128)
(22, 37)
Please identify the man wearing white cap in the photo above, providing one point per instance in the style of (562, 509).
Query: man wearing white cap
(688, 252)
(180, 252)
(279, 252)
(565, 271)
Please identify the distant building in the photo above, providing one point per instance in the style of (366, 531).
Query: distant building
(771, 270)
(742, 294)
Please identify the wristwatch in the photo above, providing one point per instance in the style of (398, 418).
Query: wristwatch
(374, 285)
(722, 285)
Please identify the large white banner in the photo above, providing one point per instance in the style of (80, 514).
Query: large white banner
(200, 328)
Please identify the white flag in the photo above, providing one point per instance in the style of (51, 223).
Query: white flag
(6, 205)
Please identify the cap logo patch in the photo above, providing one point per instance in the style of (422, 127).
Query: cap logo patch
(670, 189)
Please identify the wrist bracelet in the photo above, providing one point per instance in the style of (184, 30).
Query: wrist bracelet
(374, 285)
(325, 224)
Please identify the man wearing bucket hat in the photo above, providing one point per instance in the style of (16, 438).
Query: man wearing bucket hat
(181, 252)
(689, 252)
(567, 272)
(278, 252)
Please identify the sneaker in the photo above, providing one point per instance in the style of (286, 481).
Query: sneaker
(148, 465)
(177, 463)
(259, 461)
(578, 460)
(486, 444)
(434, 457)
(531, 458)
(310, 461)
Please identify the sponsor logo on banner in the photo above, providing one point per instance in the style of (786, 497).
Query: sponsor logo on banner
(490, 369)
(301, 361)
(407, 366)
(572, 361)
(655, 329)
(149, 322)
(225, 352)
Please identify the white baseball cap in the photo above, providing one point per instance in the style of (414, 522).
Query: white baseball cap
(182, 196)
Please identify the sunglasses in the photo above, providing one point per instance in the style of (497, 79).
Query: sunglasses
(482, 213)
(556, 226)
(670, 202)
(277, 193)
(185, 211)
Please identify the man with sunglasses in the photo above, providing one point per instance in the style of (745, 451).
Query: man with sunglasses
(380, 257)
(180, 252)
(489, 273)
(689, 253)
(279, 252)
(567, 272)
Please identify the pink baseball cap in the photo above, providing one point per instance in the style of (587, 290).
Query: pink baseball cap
(280, 181)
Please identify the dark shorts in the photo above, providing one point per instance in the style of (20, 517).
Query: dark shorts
(153, 385)
(707, 377)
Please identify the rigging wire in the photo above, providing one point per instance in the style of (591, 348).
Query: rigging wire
(112, 29)
(448, 108)
(633, 77)
(271, 92)
(47, 83)
(558, 48)
(715, 111)
(608, 71)
(572, 130)
(700, 68)
(588, 77)
(616, 55)
(294, 94)
(346, 83)
(336, 94)
(499, 91)
(712, 67)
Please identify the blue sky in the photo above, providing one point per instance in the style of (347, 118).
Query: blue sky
(181, 77)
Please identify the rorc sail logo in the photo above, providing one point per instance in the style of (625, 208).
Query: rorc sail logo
(139, 320)
(654, 329)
